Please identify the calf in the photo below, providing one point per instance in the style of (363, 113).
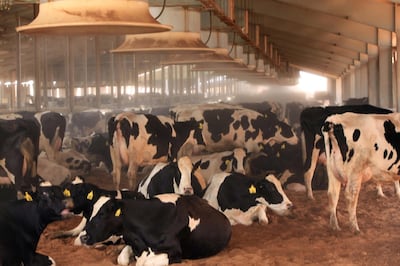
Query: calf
(175, 227)
(143, 139)
(312, 120)
(244, 199)
(359, 147)
(23, 221)
(175, 177)
(227, 161)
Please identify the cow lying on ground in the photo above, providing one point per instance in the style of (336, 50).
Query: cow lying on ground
(359, 147)
(84, 196)
(312, 120)
(23, 221)
(76, 162)
(52, 171)
(244, 199)
(281, 160)
(143, 139)
(226, 161)
(175, 177)
(95, 147)
(226, 127)
(160, 231)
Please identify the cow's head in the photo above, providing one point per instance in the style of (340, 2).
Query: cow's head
(270, 192)
(51, 202)
(105, 224)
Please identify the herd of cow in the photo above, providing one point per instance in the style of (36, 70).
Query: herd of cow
(191, 174)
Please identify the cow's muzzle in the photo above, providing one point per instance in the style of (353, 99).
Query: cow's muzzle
(188, 191)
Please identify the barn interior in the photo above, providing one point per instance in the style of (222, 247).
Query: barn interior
(234, 50)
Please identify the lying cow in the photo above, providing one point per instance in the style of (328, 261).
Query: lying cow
(23, 221)
(84, 196)
(189, 229)
(226, 161)
(76, 162)
(53, 172)
(244, 199)
(225, 127)
(359, 147)
(282, 160)
(175, 177)
(138, 140)
(312, 120)
(95, 147)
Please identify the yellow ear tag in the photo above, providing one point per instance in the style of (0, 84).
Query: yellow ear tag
(67, 193)
(201, 125)
(28, 197)
(283, 146)
(90, 195)
(227, 163)
(278, 155)
(252, 189)
(117, 212)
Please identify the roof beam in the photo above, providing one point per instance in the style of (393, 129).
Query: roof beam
(316, 19)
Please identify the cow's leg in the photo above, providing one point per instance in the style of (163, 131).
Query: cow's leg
(333, 198)
(352, 191)
(379, 190)
(132, 173)
(125, 256)
(309, 173)
(116, 162)
(397, 188)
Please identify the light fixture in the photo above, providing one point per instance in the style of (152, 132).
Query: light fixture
(93, 17)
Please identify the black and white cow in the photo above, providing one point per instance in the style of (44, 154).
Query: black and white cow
(226, 161)
(174, 227)
(52, 130)
(84, 196)
(312, 120)
(19, 150)
(282, 160)
(95, 147)
(84, 123)
(142, 139)
(225, 127)
(23, 221)
(174, 177)
(359, 147)
(76, 162)
(245, 199)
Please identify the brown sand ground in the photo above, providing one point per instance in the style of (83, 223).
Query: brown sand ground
(303, 239)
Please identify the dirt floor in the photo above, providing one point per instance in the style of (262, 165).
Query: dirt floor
(302, 239)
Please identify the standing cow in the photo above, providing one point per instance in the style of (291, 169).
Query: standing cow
(312, 120)
(143, 139)
(19, 150)
(359, 147)
(226, 127)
